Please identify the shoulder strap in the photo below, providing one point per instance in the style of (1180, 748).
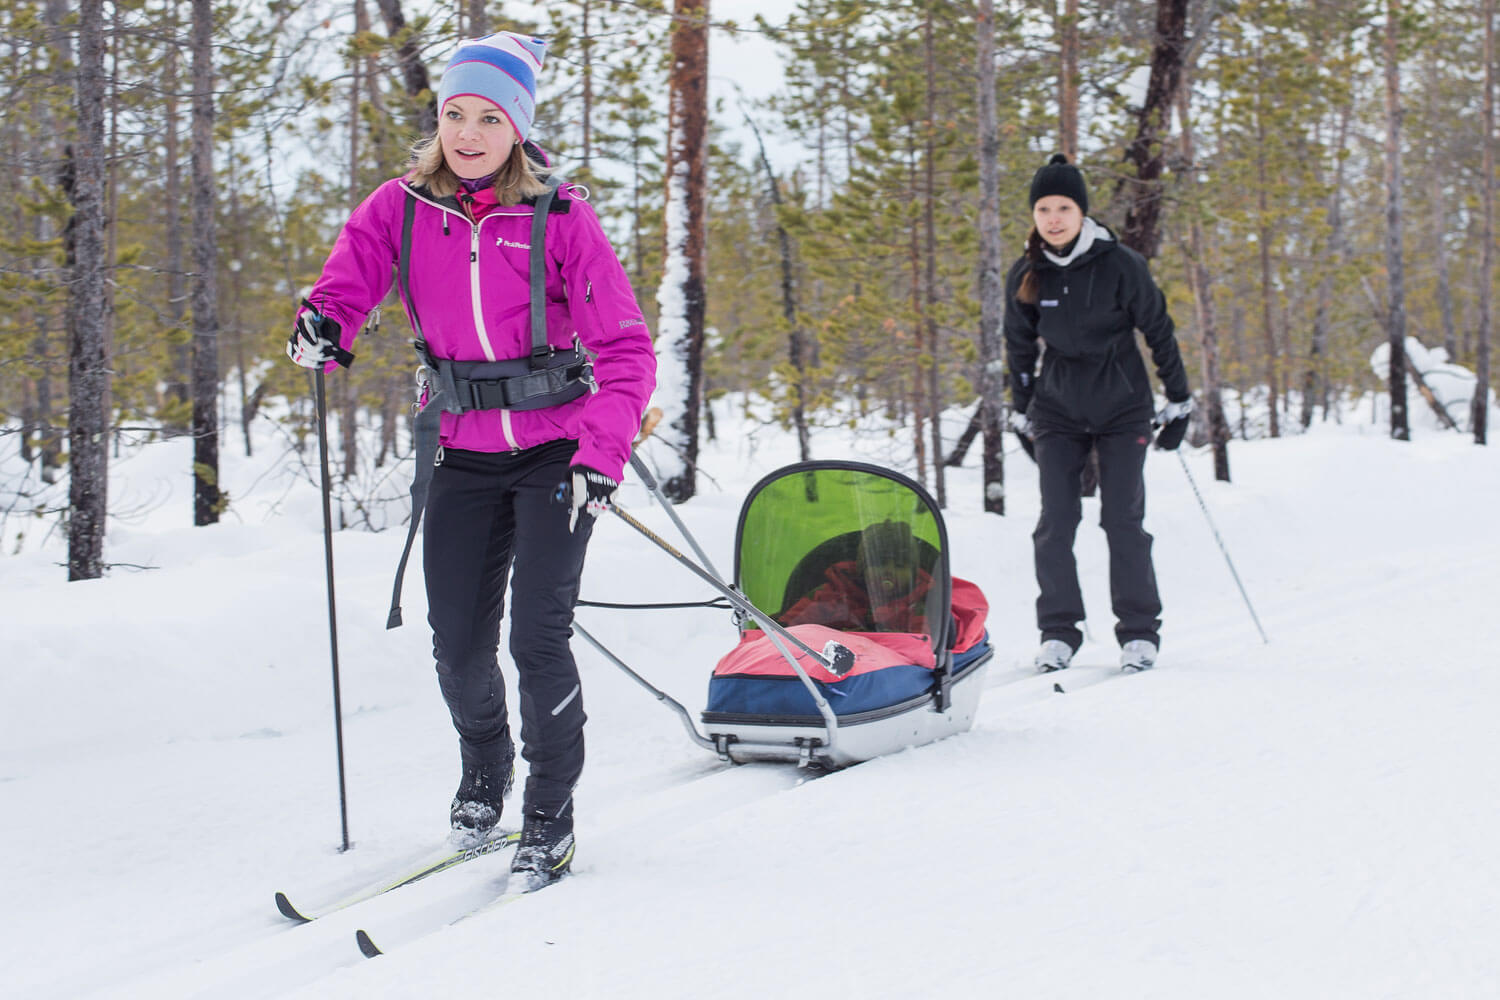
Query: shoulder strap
(539, 347)
(402, 266)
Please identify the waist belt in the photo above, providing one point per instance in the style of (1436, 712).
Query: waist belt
(460, 386)
(546, 377)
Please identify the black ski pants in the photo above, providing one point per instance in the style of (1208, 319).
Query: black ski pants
(489, 516)
(1060, 457)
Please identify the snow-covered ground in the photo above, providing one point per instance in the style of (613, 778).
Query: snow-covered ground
(1313, 817)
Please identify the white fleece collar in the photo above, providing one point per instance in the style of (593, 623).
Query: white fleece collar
(1087, 234)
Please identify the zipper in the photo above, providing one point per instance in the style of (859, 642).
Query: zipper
(479, 331)
(507, 432)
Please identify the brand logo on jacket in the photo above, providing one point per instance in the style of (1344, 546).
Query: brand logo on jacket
(1048, 303)
(503, 242)
(626, 323)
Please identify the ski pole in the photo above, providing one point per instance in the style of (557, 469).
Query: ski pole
(333, 628)
(1204, 507)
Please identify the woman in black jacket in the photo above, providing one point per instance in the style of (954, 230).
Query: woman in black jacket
(1084, 295)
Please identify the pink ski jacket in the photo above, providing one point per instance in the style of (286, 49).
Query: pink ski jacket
(469, 284)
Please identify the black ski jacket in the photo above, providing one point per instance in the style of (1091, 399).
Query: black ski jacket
(1093, 379)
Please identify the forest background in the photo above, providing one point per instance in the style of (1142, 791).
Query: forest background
(1311, 180)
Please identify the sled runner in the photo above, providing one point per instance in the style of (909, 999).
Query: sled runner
(873, 644)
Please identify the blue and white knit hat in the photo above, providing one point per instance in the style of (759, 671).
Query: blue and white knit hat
(501, 68)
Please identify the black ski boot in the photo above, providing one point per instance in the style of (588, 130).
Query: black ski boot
(481, 796)
(545, 853)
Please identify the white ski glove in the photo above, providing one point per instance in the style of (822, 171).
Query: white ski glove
(315, 341)
(1174, 411)
(1021, 423)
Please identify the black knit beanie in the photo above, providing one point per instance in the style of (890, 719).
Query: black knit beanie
(1060, 177)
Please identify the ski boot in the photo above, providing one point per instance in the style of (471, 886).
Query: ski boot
(1137, 655)
(480, 798)
(545, 853)
(1054, 655)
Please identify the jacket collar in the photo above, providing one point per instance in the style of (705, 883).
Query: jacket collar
(1088, 235)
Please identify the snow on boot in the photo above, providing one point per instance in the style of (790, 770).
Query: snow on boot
(480, 797)
(1137, 655)
(1054, 655)
(544, 855)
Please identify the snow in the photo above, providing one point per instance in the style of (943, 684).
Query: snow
(1308, 817)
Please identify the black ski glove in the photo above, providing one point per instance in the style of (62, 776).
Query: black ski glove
(1173, 421)
(589, 494)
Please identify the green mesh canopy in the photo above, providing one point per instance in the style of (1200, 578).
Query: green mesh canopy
(848, 545)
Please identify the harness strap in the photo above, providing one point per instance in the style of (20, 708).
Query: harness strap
(539, 348)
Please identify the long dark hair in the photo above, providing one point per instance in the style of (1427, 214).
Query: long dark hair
(1030, 289)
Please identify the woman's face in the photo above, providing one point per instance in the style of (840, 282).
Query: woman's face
(1058, 219)
(475, 136)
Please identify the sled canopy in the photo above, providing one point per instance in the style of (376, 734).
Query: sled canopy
(850, 546)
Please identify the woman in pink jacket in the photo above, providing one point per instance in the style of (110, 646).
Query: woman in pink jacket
(539, 365)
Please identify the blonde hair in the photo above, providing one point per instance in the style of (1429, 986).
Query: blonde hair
(518, 178)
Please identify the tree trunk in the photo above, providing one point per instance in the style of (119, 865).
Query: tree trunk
(176, 379)
(344, 388)
(796, 337)
(43, 418)
(413, 69)
(991, 279)
(88, 366)
(1067, 80)
(682, 297)
(1141, 230)
(1396, 311)
(918, 327)
(206, 495)
(1315, 389)
(1267, 310)
(929, 227)
(586, 71)
(478, 24)
(1201, 283)
(1439, 216)
(1480, 409)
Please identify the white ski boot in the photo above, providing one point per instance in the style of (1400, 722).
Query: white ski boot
(1137, 655)
(1054, 655)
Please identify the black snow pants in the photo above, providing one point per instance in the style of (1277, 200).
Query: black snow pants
(1060, 457)
(490, 515)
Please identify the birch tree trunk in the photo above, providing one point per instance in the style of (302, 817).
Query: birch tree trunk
(88, 366)
(1396, 310)
(1480, 409)
(205, 378)
(681, 297)
(991, 279)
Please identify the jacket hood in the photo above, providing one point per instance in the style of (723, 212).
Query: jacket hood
(1094, 238)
